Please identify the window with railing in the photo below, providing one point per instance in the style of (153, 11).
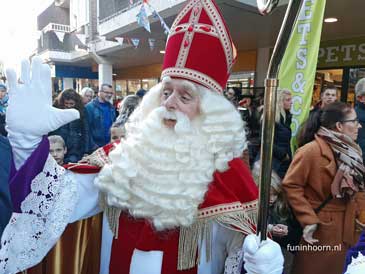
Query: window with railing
(111, 8)
(56, 27)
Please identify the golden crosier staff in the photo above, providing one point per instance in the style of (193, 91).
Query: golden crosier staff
(271, 84)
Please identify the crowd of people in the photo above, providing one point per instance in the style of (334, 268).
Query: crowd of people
(158, 185)
(98, 124)
(317, 194)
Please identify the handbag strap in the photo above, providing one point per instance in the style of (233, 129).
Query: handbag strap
(323, 204)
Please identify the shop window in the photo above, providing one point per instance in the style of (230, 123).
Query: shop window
(149, 83)
(121, 88)
(242, 80)
(134, 85)
(355, 74)
(91, 83)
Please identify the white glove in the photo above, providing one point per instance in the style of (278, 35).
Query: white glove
(357, 265)
(262, 258)
(308, 233)
(30, 114)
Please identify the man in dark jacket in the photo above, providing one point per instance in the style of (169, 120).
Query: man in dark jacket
(282, 155)
(360, 111)
(5, 201)
(100, 115)
(328, 96)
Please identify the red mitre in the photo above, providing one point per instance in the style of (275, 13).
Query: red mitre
(199, 47)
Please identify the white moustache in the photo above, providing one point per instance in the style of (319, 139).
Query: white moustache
(183, 124)
(169, 115)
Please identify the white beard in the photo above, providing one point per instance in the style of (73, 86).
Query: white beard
(159, 173)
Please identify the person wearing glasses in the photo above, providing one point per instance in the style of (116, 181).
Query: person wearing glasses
(100, 115)
(325, 188)
(360, 111)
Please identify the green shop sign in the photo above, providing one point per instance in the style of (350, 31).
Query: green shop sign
(342, 53)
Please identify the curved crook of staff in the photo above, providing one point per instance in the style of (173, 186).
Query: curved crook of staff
(271, 84)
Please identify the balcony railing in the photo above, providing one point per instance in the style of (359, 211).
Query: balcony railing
(57, 27)
(112, 8)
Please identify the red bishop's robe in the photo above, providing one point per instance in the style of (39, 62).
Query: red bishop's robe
(231, 193)
(230, 196)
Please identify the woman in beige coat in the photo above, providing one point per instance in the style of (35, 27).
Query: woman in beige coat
(328, 167)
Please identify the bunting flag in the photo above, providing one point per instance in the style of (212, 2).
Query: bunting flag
(120, 40)
(60, 35)
(152, 43)
(82, 38)
(156, 15)
(298, 67)
(142, 18)
(135, 42)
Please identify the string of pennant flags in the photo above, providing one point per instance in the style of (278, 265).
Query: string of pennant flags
(125, 40)
(135, 42)
(142, 20)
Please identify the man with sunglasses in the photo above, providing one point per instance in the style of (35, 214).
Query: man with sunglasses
(360, 111)
(100, 116)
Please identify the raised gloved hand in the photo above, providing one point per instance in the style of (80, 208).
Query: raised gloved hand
(262, 257)
(30, 114)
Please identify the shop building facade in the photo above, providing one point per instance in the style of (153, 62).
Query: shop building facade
(90, 42)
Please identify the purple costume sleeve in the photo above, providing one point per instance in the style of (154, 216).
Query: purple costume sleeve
(20, 181)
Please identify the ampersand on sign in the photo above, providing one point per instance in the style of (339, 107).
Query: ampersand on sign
(299, 83)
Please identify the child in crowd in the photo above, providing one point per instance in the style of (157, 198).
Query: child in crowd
(284, 228)
(278, 206)
(116, 133)
(57, 148)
